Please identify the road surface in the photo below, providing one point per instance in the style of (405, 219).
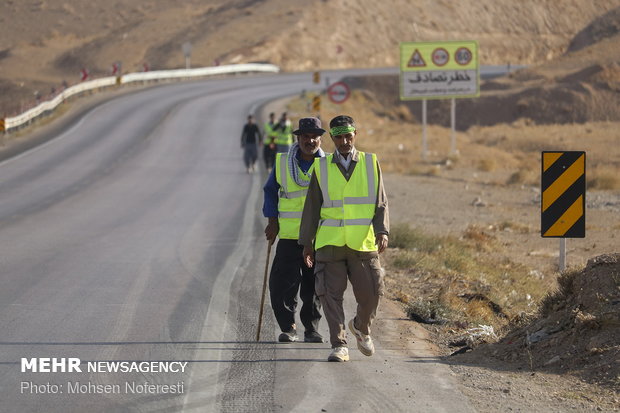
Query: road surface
(135, 237)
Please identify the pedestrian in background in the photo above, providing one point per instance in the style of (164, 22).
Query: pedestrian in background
(345, 218)
(285, 192)
(250, 139)
(284, 137)
(269, 147)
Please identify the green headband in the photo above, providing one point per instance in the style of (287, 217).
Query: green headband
(341, 130)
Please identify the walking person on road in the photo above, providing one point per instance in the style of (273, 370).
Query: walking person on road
(269, 149)
(285, 193)
(345, 219)
(284, 138)
(250, 139)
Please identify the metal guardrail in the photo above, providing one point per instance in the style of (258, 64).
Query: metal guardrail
(44, 107)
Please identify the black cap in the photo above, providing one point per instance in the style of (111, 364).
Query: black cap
(309, 125)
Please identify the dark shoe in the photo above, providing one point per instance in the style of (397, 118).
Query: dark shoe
(288, 336)
(313, 337)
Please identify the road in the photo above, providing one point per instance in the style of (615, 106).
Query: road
(136, 236)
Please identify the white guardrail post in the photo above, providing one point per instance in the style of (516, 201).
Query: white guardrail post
(50, 105)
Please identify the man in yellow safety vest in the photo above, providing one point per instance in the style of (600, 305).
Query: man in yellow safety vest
(345, 219)
(284, 137)
(269, 150)
(285, 193)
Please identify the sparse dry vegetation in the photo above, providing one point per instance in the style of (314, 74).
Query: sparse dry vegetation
(446, 270)
(606, 179)
(487, 165)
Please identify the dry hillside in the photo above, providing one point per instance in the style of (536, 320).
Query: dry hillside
(43, 42)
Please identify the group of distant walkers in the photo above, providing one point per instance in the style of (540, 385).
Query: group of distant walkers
(278, 138)
(330, 213)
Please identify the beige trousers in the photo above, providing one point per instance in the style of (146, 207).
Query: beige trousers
(334, 266)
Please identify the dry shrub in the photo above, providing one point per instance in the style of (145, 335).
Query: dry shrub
(604, 181)
(401, 296)
(414, 170)
(480, 312)
(403, 113)
(434, 171)
(513, 227)
(516, 177)
(553, 300)
(452, 160)
(428, 311)
(487, 165)
(403, 236)
(406, 259)
(477, 234)
(472, 311)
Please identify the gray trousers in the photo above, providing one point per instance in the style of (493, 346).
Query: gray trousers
(334, 266)
(250, 154)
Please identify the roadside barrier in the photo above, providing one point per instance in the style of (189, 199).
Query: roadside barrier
(46, 107)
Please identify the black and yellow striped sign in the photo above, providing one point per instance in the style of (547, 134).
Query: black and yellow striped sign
(316, 103)
(1, 125)
(563, 200)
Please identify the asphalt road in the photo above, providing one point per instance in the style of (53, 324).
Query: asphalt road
(136, 236)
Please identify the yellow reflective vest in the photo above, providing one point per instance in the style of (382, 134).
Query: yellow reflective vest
(269, 132)
(285, 137)
(291, 198)
(348, 206)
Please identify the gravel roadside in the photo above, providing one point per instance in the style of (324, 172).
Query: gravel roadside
(447, 205)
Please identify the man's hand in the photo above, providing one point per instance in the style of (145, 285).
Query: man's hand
(382, 242)
(308, 256)
(272, 229)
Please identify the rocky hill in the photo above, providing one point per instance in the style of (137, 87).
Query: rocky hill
(46, 42)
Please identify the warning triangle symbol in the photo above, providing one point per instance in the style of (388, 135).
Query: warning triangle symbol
(416, 60)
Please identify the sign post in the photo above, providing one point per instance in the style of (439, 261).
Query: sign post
(424, 141)
(453, 150)
(187, 51)
(563, 199)
(439, 70)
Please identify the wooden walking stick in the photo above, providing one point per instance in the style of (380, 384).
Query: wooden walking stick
(262, 300)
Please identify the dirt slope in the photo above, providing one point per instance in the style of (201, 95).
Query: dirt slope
(44, 42)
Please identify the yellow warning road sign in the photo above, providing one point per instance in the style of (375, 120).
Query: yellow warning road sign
(316, 103)
(563, 189)
(438, 70)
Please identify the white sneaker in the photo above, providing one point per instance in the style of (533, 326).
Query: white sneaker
(364, 342)
(339, 354)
